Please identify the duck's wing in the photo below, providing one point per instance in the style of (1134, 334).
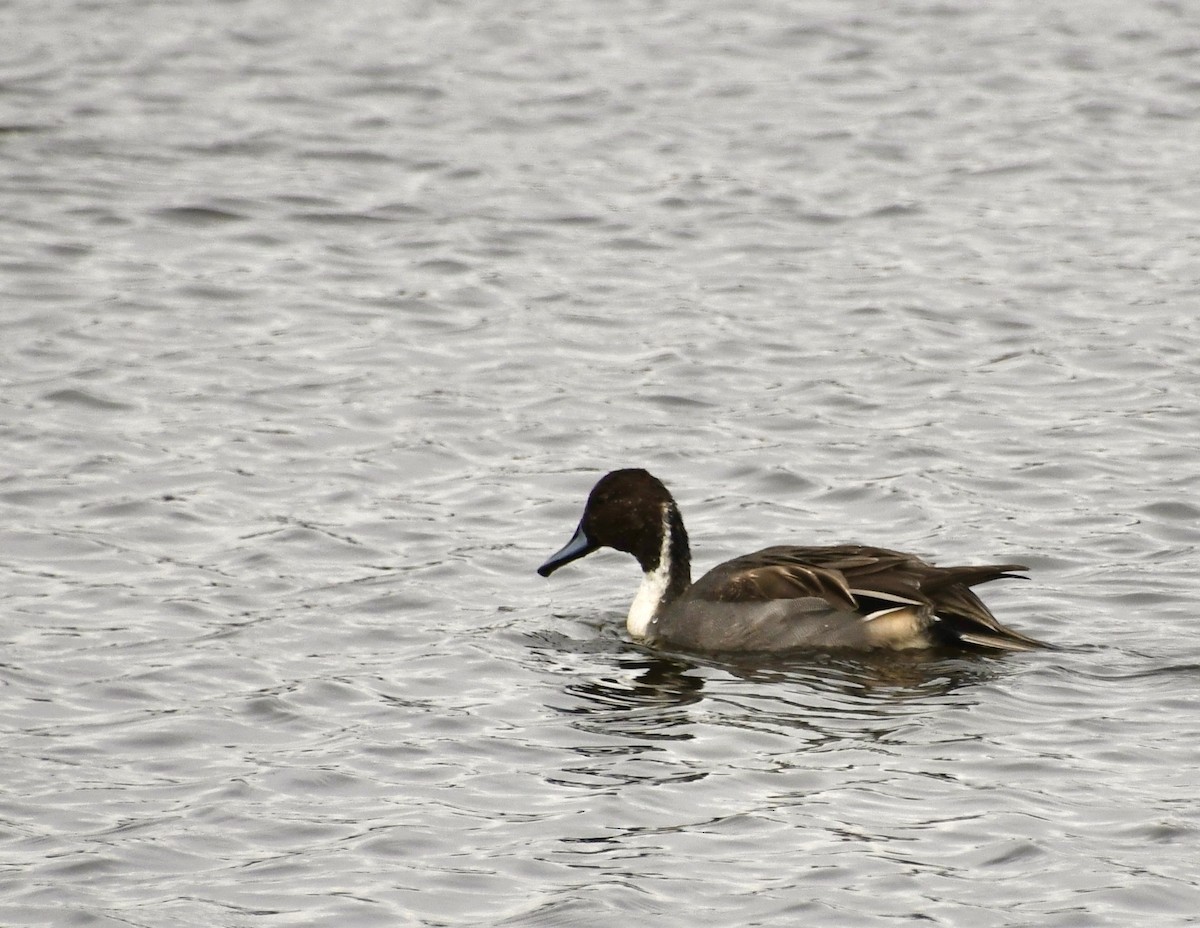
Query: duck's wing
(774, 573)
(869, 581)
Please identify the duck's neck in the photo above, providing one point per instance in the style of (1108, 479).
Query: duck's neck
(666, 574)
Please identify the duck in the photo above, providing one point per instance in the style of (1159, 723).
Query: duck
(786, 597)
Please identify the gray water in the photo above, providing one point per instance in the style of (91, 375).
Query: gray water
(319, 321)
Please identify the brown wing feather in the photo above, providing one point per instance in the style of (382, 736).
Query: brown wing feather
(848, 577)
(774, 574)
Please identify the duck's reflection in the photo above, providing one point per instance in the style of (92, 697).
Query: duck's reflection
(642, 681)
(879, 675)
(642, 696)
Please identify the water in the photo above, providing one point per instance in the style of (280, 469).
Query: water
(319, 323)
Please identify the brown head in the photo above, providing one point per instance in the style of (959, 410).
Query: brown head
(629, 510)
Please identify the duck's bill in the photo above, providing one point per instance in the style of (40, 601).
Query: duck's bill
(579, 546)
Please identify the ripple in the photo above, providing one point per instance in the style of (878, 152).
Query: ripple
(84, 399)
(197, 216)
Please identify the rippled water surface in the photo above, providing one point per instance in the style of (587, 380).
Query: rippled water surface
(318, 323)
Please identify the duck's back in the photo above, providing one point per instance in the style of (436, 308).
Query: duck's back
(846, 596)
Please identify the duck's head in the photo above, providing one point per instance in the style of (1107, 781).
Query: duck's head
(629, 510)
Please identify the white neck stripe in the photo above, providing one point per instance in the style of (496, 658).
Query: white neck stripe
(653, 588)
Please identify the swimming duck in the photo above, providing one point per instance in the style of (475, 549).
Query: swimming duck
(781, 598)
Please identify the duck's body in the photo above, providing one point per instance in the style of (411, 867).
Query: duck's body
(782, 598)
